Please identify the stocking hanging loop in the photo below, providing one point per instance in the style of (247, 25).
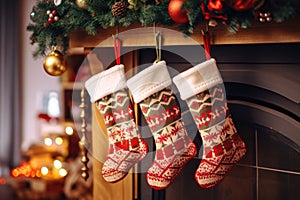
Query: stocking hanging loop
(117, 48)
(157, 38)
(206, 42)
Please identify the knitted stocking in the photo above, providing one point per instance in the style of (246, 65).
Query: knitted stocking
(174, 148)
(108, 90)
(201, 87)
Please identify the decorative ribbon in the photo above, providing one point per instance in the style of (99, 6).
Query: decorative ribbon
(206, 43)
(241, 5)
(215, 5)
(158, 46)
(117, 48)
(213, 9)
(217, 9)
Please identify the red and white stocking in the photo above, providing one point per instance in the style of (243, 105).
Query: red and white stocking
(202, 88)
(109, 92)
(174, 148)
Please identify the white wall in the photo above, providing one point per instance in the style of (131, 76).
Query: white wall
(34, 81)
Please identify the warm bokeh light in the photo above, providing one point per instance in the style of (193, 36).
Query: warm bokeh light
(38, 173)
(59, 141)
(25, 169)
(57, 164)
(15, 173)
(69, 130)
(62, 172)
(2, 181)
(48, 141)
(44, 171)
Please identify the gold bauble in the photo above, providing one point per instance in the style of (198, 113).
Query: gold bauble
(55, 63)
(81, 4)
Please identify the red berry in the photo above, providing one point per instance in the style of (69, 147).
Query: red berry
(54, 12)
(50, 20)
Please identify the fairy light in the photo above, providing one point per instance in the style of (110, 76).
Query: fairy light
(62, 172)
(57, 164)
(2, 181)
(48, 141)
(27, 170)
(44, 171)
(15, 172)
(59, 141)
(38, 173)
(69, 130)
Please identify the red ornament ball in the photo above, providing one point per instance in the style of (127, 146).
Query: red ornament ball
(176, 13)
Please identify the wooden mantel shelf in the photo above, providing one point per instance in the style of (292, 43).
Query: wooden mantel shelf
(135, 35)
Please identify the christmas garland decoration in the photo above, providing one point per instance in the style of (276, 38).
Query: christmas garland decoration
(54, 20)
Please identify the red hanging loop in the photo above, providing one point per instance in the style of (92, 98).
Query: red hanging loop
(206, 43)
(117, 48)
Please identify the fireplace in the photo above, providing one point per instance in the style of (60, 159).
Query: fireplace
(262, 86)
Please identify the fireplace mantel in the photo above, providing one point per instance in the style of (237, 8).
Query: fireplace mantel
(136, 35)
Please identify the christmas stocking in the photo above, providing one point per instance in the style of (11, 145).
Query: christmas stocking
(202, 88)
(109, 91)
(174, 148)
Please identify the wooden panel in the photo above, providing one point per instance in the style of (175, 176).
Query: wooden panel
(280, 53)
(135, 35)
(103, 190)
(125, 189)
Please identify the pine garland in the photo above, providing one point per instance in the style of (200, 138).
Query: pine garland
(98, 14)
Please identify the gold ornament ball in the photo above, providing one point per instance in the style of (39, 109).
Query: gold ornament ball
(55, 63)
(81, 4)
(85, 175)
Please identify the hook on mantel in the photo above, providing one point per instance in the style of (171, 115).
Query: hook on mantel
(205, 29)
(116, 36)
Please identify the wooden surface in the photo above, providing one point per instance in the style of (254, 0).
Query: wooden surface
(135, 35)
(103, 190)
(126, 189)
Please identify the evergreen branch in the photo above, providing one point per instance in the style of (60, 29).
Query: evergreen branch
(145, 12)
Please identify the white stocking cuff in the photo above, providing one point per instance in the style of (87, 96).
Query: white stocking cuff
(149, 81)
(197, 79)
(106, 82)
